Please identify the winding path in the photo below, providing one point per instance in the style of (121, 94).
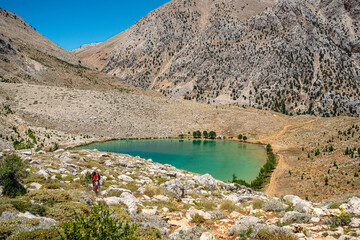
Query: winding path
(281, 166)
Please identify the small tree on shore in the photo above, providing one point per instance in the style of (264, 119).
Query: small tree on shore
(197, 134)
(240, 136)
(212, 135)
(244, 138)
(205, 134)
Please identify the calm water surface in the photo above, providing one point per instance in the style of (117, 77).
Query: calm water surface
(219, 158)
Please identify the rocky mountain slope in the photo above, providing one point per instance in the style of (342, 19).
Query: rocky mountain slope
(294, 57)
(28, 56)
(166, 203)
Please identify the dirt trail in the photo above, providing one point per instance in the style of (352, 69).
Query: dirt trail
(281, 165)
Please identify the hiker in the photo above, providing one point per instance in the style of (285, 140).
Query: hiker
(96, 182)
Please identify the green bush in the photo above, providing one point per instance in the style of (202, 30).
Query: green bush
(11, 171)
(99, 225)
(338, 221)
(229, 206)
(148, 233)
(38, 234)
(37, 209)
(67, 210)
(265, 234)
(197, 218)
(26, 206)
(49, 196)
(21, 206)
(10, 226)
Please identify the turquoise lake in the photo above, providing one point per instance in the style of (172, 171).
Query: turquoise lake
(219, 158)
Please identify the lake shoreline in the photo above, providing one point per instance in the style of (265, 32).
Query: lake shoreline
(196, 155)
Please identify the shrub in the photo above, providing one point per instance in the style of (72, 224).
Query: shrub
(23, 206)
(207, 205)
(228, 205)
(148, 233)
(8, 227)
(274, 206)
(334, 205)
(11, 170)
(338, 221)
(67, 210)
(6, 207)
(153, 190)
(295, 217)
(99, 225)
(37, 209)
(257, 203)
(38, 234)
(265, 234)
(197, 218)
(49, 197)
(161, 204)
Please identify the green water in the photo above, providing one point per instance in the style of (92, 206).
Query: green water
(219, 158)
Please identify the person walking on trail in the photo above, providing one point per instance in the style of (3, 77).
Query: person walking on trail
(96, 182)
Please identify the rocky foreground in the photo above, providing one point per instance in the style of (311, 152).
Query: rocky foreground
(172, 203)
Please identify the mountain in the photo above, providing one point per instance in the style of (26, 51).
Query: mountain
(84, 47)
(26, 56)
(291, 56)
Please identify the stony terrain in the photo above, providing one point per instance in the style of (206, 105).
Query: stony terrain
(293, 57)
(174, 203)
(69, 117)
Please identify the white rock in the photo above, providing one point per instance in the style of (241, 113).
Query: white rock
(353, 206)
(112, 200)
(53, 170)
(161, 198)
(315, 220)
(319, 212)
(35, 185)
(208, 181)
(299, 204)
(44, 173)
(193, 211)
(149, 211)
(28, 153)
(206, 236)
(130, 201)
(233, 197)
(125, 178)
(175, 187)
(355, 222)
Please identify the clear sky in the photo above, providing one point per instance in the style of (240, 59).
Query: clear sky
(71, 23)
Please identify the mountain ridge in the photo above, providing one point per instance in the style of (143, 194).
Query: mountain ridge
(294, 57)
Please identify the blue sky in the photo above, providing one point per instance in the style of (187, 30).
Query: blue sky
(71, 23)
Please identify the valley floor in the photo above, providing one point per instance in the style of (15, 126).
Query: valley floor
(70, 117)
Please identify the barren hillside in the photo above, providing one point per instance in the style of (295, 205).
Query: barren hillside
(28, 56)
(293, 57)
